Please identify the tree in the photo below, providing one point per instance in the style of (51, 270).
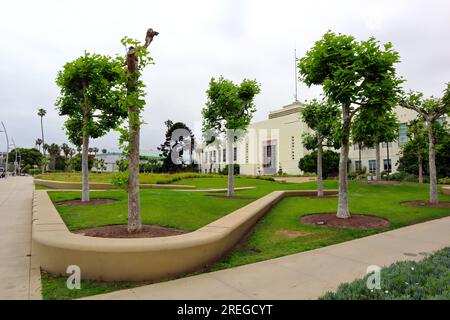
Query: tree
(382, 127)
(357, 76)
(66, 150)
(75, 162)
(90, 98)
(431, 109)
(38, 143)
(229, 108)
(178, 139)
(54, 151)
(104, 151)
(41, 113)
(323, 118)
(100, 165)
(136, 59)
(28, 156)
(330, 163)
(417, 134)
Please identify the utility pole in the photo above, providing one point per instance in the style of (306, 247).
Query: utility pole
(295, 70)
(7, 148)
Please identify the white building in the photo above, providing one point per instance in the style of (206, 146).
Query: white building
(276, 142)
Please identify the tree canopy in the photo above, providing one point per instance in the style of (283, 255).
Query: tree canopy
(89, 88)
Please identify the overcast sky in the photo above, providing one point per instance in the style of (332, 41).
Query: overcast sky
(198, 40)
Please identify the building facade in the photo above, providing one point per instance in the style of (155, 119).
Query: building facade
(275, 145)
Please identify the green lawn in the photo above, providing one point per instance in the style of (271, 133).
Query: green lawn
(271, 238)
(150, 178)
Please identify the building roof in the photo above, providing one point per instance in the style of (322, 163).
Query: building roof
(286, 110)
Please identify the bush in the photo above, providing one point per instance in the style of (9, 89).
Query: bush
(444, 180)
(34, 171)
(330, 163)
(237, 169)
(406, 280)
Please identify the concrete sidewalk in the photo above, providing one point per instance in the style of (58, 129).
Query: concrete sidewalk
(304, 275)
(19, 276)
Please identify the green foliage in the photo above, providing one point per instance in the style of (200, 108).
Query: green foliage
(360, 76)
(445, 180)
(183, 141)
(323, 118)
(382, 127)
(229, 106)
(91, 96)
(406, 280)
(120, 179)
(418, 143)
(75, 162)
(28, 156)
(330, 163)
(236, 167)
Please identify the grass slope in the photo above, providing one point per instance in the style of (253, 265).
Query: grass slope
(279, 233)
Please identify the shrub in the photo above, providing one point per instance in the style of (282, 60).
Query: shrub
(444, 180)
(405, 280)
(237, 169)
(34, 171)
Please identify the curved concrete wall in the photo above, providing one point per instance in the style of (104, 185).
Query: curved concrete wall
(103, 186)
(145, 258)
(446, 190)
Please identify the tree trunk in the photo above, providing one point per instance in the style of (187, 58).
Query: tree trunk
(343, 211)
(85, 155)
(230, 156)
(43, 143)
(134, 204)
(420, 162)
(378, 160)
(85, 167)
(432, 162)
(319, 167)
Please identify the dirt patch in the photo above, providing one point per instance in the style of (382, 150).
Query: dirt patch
(121, 231)
(384, 182)
(440, 205)
(356, 221)
(291, 233)
(78, 202)
(231, 198)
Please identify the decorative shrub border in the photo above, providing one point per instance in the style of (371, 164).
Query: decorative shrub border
(142, 258)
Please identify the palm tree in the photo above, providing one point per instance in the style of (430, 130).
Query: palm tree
(66, 150)
(41, 113)
(95, 150)
(38, 143)
(54, 151)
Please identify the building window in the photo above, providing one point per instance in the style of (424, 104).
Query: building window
(269, 151)
(235, 153)
(372, 166)
(293, 148)
(356, 146)
(387, 165)
(358, 166)
(206, 157)
(246, 152)
(387, 144)
(214, 156)
(402, 134)
(224, 155)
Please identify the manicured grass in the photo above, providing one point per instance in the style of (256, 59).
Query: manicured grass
(428, 279)
(271, 238)
(150, 178)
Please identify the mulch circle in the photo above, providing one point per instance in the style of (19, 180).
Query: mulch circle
(441, 205)
(225, 197)
(78, 202)
(121, 231)
(356, 221)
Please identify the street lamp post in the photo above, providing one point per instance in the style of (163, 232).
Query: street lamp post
(16, 163)
(7, 148)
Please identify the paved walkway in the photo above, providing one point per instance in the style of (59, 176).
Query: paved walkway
(304, 275)
(19, 276)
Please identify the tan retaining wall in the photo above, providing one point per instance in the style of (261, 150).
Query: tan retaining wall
(145, 258)
(446, 190)
(103, 186)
